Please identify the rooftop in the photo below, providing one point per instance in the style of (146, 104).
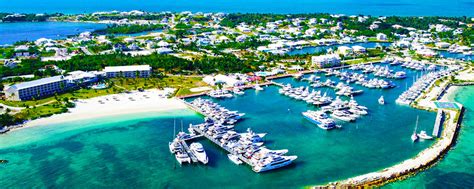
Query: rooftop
(127, 68)
(37, 82)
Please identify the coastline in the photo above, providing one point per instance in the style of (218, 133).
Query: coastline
(423, 160)
(112, 105)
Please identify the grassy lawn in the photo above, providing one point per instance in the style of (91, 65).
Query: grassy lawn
(360, 60)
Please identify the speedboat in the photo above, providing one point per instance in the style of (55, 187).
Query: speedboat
(425, 136)
(258, 88)
(234, 159)
(198, 151)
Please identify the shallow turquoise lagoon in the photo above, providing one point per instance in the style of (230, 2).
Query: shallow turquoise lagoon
(132, 150)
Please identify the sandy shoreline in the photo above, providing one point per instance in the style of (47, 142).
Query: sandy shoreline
(113, 105)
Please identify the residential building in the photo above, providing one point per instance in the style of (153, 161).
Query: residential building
(128, 71)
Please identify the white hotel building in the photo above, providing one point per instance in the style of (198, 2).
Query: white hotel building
(128, 71)
(326, 61)
(36, 89)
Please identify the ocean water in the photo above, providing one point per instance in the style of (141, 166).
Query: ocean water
(317, 49)
(367, 7)
(30, 31)
(456, 170)
(132, 150)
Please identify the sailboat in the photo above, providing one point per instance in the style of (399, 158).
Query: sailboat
(414, 136)
(173, 145)
(381, 100)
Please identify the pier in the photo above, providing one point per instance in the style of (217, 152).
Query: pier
(186, 148)
(224, 147)
(423, 160)
(438, 123)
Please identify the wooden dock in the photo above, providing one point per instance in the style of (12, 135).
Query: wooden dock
(438, 123)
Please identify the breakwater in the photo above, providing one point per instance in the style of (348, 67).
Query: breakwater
(423, 160)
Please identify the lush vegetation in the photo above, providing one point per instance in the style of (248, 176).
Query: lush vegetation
(159, 62)
(7, 17)
(128, 29)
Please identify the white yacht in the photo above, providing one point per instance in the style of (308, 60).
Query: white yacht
(198, 151)
(320, 118)
(220, 94)
(271, 162)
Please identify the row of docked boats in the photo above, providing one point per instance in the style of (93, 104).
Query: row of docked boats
(408, 96)
(245, 147)
(303, 93)
(215, 111)
(361, 79)
(419, 66)
(379, 71)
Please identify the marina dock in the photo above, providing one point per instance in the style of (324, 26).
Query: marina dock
(186, 148)
(223, 147)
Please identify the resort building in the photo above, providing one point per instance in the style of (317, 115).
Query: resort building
(325, 61)
(128, 71)
(36, 89)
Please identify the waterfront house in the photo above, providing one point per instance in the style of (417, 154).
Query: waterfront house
(326, 61)
(36, 89)
(128, 71)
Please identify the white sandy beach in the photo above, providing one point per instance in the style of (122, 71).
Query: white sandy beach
(112, 105)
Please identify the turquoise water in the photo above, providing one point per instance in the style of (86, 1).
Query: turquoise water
(447, 54)
(456, 170)
(13, 32)
(366, 7)
(132, 150)
(317, 49)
